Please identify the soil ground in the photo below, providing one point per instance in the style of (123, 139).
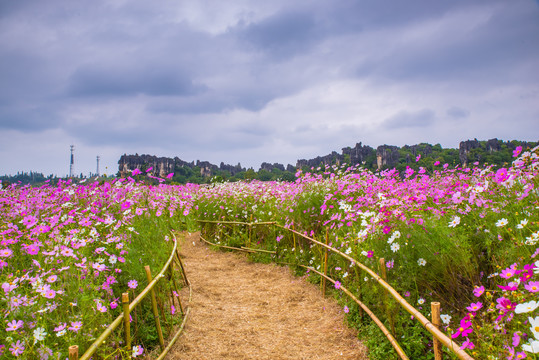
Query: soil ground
(245, 310)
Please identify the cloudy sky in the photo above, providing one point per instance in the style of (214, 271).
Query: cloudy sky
(252, 81)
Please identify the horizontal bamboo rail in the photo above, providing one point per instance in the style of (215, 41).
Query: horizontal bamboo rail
(430, 327)
(147, 290)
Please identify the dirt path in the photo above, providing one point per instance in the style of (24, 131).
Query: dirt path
(242, 310)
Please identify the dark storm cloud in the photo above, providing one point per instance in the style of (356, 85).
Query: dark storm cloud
(486, 51)
(457, 112)
(406, 119)
(119, 81)
(212, 77)
(283, 34)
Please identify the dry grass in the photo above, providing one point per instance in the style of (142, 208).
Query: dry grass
(242, 310)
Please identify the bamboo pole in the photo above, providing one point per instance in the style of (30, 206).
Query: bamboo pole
(383, 273)
(250, 231)
(386, 332)
(74, 352)
(325, 265)
(181, 265)
(127, 325)
(437, 346)
(105, 334)
(177, 297)
(154, 308)
(444, 339)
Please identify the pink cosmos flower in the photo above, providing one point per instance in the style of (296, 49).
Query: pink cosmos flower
(6, 253)
(17, 348)
(169, 176)
(475, 306)
(386, 229)
(346, 310)
(370, 253)
(14, 325)
(467, 344)
(113, 305)
(517, 151)
(49, 294)
(75, 326)
(478, 291)
(132, 284)
(532, 286)
(136, 172)
(337, 285)
(509, 273)
(149, 169)
(60, 327)
(172, 309)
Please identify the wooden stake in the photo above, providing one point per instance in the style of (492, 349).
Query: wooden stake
(74, 352)
(154, 308)
(181, 266)
(436, 321)
(127, 325)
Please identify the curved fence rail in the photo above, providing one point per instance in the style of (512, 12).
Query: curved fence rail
(439, 337)
(128, 308)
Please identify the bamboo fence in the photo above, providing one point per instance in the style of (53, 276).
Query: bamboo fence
(439, 337)
(129, 307)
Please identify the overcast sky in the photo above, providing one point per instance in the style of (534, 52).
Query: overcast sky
(252, 81)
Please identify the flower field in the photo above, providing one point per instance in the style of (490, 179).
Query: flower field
(466, 237)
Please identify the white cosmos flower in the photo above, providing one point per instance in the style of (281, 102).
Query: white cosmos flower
(531, 347)
(526, 307)
(445, 318)
(421, 262)
(522, 224)
(502, 222)
(395, 247)
(454, 222)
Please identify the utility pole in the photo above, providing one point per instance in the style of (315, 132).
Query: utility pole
(72, 162)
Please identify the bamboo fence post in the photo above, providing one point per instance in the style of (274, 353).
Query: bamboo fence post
(294, 236)
(383, 273)
(250, 230)
(74, 352)
(325, 265)
(437, 346)
(178, 297)
(154, 308)
(127, 325)
(182, 268)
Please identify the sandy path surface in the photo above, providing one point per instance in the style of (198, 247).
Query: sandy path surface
(243, 310)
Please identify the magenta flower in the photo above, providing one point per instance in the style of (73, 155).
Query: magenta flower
(136, 172)
(14, 325)
(505, 304)
(517, 151)
(465, 329)
(132, 284)
(337, 285)
(149, 169)
(113, 305)
(478, 291)
(346, 310)
(532, 286)
(169, 176)
(370, 253)
(475, 306)
(467, 344)
(386, 229)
